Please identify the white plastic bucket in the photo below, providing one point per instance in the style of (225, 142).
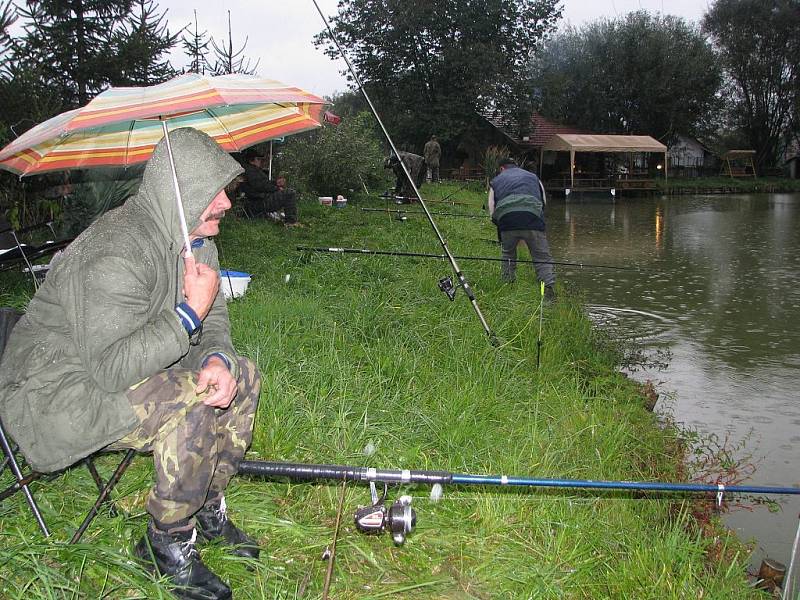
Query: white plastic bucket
(326, 200)
(234, 283)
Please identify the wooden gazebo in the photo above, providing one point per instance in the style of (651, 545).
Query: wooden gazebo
(572, 143)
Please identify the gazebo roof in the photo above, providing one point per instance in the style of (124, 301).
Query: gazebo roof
(731, 154)
(603, 143)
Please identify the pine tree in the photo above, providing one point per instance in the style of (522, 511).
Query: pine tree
(8, 17)
(25, 100)
(230, 61)
(139, 46)
(69, 43)
(195, 46)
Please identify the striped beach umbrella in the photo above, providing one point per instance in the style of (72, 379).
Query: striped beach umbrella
(122, 126)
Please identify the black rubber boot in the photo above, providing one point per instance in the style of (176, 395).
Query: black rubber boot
(549, 293)
(213, 523)
(173, 554)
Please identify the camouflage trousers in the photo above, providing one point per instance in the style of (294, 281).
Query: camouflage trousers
(196, 448)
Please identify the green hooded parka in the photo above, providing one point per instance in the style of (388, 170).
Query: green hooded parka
(105, 317)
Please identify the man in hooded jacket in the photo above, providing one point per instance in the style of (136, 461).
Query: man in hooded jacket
(127, 345)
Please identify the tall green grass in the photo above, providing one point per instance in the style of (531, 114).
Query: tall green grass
(364, 355)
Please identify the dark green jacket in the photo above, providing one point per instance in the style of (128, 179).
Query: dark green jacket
(105, 317)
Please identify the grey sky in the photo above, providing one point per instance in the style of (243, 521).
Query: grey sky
(279, 32)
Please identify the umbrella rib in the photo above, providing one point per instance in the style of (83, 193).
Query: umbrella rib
(128, 142)
(221, 124)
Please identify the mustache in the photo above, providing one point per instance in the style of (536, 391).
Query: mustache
(215, 216)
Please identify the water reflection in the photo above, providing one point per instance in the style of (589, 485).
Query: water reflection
(718, 284)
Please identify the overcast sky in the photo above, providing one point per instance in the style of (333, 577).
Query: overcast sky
(279, 32)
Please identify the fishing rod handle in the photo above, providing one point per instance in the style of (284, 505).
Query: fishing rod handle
(311, 472)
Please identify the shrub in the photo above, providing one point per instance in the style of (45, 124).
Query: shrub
(337, 160)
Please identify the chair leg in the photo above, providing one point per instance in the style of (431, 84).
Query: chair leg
(113, 480)
(98, 481)
(22, 482)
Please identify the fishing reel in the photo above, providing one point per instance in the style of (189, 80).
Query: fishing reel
(448, 287)
(399, 518)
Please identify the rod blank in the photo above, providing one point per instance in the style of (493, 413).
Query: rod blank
(317, 472)
(425, 255)
(421, 212)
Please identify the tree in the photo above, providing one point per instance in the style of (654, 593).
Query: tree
(8, 17)
(759, 42)
(139, 46)
(229, 60)
(433, 66)
(24, 99)
(195, 46)
(348, 104)
(640, 74)
(69, 43)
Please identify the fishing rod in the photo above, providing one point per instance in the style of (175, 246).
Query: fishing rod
(485, 258)
(451, 194)
(541, 318)
(462, 280)
(410, 199)
(402, 212)
(400, 519)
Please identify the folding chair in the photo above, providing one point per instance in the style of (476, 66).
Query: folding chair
(8, 318)
(14, 253)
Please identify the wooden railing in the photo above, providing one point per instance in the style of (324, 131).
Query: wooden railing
(467, 173)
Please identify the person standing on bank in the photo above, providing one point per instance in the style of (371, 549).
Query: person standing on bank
(516, 205)
(127, 345)
(432, 153)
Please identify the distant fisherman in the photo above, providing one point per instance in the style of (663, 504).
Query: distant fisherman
(433, 154)
(516, 205)
(416, 167)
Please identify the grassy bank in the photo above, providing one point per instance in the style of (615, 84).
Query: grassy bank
(366, 354)
(728, 185)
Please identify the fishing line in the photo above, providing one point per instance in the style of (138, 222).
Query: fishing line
(462, 280)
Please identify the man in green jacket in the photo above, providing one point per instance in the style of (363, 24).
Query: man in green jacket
(127, 345)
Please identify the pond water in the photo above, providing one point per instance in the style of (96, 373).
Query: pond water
(719, 288)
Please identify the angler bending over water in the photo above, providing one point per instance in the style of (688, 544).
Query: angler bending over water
(516, 205)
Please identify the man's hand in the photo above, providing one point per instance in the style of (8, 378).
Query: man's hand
(200, 286)
(216, 379)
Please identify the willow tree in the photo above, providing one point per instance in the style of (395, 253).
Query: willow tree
(759, 41)
(640, 74)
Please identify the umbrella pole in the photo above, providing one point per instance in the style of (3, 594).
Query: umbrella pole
(270, 159)
(178, 198)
